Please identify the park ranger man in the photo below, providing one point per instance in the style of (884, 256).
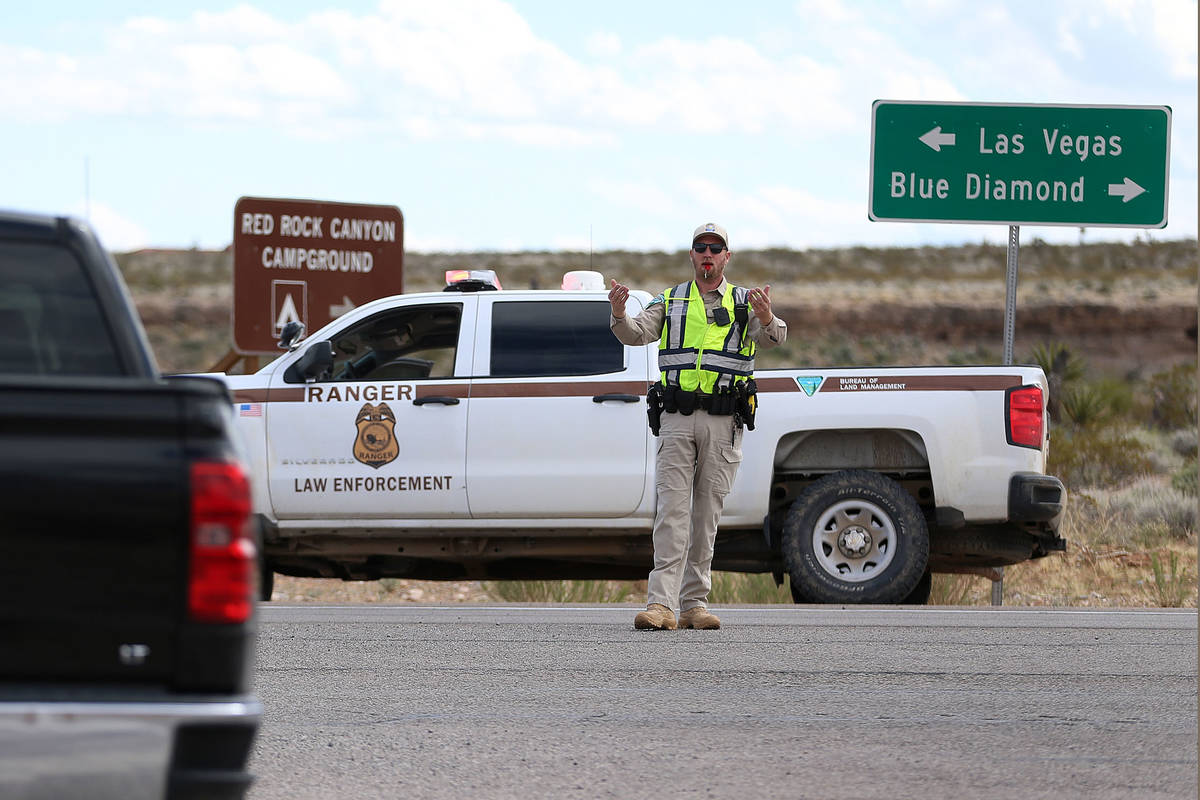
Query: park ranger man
(708, 331)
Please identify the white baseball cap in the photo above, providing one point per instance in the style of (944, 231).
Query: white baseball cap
(713, 228)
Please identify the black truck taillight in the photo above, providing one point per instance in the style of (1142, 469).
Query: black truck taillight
(1024, 416)
(223, 562)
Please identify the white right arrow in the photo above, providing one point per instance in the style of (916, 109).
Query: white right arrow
(935, 138)
(345, 307)
(1128, 190)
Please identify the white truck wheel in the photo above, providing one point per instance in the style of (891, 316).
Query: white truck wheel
(855, 537)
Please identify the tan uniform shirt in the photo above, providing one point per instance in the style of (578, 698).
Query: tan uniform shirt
(647, 326)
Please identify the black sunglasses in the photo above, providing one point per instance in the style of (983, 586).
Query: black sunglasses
(712, 248)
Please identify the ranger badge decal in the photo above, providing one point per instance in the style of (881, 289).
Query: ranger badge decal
(376, 444)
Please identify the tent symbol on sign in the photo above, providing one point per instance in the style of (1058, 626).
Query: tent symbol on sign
(287, 314)
(289, 303)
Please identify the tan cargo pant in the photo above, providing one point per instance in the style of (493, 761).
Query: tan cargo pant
(698, 458)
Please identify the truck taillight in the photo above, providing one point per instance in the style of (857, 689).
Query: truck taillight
(223, 563)
(1024, 416)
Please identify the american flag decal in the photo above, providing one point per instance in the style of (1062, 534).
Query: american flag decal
(250, 409)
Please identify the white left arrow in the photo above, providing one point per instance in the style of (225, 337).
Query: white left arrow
(346, 305)
(935, 138)
(1128, 190)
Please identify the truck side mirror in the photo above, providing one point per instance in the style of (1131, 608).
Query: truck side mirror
(316, 362)
(292, 332)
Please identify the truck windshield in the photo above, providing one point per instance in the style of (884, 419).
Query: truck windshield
(408, 344)
(50, 319)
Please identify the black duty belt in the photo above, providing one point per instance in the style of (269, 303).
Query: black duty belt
(685, 403)
(740, 402)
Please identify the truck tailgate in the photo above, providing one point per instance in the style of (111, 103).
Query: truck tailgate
(94, 515)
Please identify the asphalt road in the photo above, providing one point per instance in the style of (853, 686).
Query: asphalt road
(800, 702)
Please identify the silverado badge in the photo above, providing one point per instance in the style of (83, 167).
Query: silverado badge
(376, 442)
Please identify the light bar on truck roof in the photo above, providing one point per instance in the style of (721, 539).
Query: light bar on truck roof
(471, 280)
(583, 280)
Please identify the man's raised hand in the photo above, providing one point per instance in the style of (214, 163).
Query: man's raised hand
(617, 296)
(760, 301)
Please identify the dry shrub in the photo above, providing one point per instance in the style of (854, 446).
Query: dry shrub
(1105, 456)
(565, 591)
(1184, 443)
(1185, 480)
(758, 588)
(1104, 576)
(1151, 502)
(1173, 394)
(959, 590)
(1143, 514)
(1160, 450)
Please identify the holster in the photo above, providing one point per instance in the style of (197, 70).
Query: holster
(668, 399)
(654, 406)
(747, 402)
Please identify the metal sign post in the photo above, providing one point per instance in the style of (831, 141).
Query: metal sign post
(1010, 327)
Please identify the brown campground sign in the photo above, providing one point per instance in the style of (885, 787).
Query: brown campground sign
(309, 261)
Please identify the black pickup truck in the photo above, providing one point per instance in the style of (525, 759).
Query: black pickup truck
(127, 555)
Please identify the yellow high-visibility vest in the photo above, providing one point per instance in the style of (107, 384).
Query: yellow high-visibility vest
(697, 355)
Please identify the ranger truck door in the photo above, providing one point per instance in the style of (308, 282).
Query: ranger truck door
(383, 433)
(557, 424)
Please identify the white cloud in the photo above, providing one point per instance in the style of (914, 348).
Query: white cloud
(433, 243)
(1171, 24)
(777, 215)
(825, 12)
(1068, 42)
(463, 67)
(466, 67)
(787, 106)
(603, 44)
(646, 196)
(535, 134)
(1174, 23)
(573, 241)
(117, 233)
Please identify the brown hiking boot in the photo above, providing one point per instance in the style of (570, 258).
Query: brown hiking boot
(700, 619)
(656, 617)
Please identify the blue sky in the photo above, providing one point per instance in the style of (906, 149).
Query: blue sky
(547, 125)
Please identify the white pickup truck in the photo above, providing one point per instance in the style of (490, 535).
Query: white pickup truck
(503, 435)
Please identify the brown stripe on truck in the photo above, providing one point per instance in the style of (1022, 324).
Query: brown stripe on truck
(919, 383)
(564, 389)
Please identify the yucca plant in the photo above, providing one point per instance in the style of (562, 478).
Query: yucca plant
(1061, 367)
(1172, 585)
(1084, 405)
(1056, 359)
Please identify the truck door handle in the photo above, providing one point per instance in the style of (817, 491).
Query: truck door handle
(621, 398)
(446, 401)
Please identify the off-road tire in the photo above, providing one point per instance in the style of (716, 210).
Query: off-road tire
(920, 595)
(862, 512)
(266, 581)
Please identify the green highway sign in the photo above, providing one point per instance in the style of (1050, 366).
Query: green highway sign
(1085, 166)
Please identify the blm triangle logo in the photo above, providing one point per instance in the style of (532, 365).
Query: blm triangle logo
(809, 383)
